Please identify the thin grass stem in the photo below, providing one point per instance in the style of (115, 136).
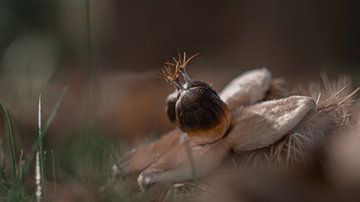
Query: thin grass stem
(41, 145)
(38, 193)
(10, 137)
(35, 145)
(53, 168)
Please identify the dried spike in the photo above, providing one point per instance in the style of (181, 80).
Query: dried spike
(188, 60)
(181, 62)
(170, 64)
(174, 59)
(349, 96)
(170, 73)
(163, 73)
(184, 57)
(179, 57)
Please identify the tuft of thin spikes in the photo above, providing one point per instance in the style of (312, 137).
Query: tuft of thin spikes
(181, 62)
(168, 73)
(171, 70)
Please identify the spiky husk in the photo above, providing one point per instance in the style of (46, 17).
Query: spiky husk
(329, 135)
(306, 141)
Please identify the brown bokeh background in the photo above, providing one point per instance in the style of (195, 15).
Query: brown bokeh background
(110, 62)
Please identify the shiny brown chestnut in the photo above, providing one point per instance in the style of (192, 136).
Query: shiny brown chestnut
(170, 105)
(174, 96)
(199, 111)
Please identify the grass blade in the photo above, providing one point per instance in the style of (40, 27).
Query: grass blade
(38, 179)
(40, 160)
(35, 145)
(10, 137)
(53, 168)
(54, 111)
(21, 162)
(2, 162)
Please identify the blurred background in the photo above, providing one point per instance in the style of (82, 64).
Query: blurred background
(108, 53)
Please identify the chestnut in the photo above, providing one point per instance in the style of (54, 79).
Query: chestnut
(170, 105)
(195, 106)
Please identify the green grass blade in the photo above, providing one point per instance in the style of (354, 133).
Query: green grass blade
(35, 145)
(21, 162)
(2, 163)
(10, 136)
(54, 111)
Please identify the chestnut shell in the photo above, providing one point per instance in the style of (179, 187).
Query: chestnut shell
(199, 108)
